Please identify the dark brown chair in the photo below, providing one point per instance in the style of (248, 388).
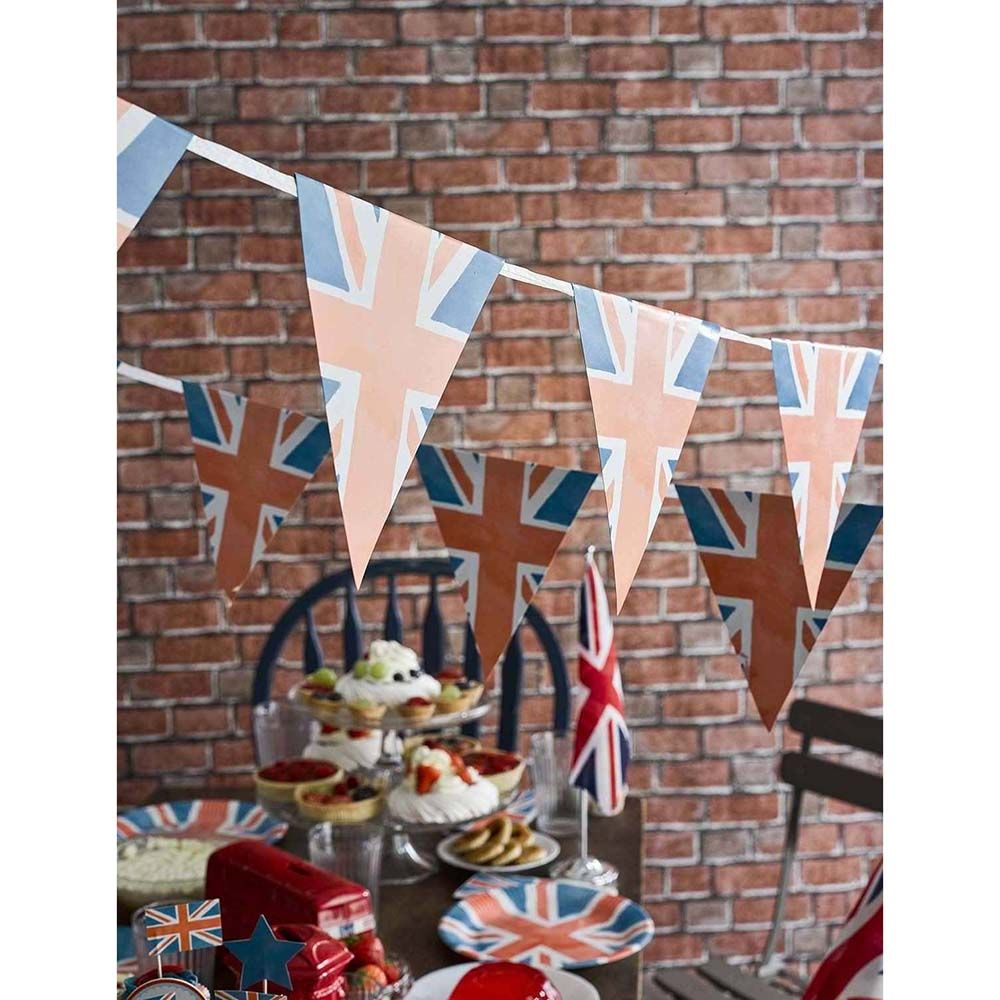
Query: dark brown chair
(803, 772)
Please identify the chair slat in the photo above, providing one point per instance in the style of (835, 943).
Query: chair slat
(684, 985)
(839, 725)
(860, 788)
(312, 651)
(472, 667)
(742, 984)
(392, 627)
(434, 636)
(512, 677)
(352, 627)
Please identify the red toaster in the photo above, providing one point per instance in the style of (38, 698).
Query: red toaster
(251, 878)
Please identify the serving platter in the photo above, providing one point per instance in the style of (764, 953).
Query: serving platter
(438, 984)
(228, 819)
(548, 923)
(447, 853)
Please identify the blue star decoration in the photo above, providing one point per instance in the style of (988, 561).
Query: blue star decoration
(264, 956)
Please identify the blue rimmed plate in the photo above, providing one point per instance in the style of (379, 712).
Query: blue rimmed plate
(226, 818)
(548, 923)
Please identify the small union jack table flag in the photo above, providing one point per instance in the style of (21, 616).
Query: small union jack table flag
(393, 304)
(183, 926)
(853, 969)
(502, 522)
(749, 548)
(823, 395)
(253, 463)
(148, 149)
(646, 368)
(602, 747)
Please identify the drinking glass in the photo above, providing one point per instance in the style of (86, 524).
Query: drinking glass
(281, 729)
(201, 961)
(551, 756)
(351, 851)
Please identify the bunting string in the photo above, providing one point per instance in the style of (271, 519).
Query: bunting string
(255, 170)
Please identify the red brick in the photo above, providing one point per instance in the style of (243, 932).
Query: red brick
(849, 95)
(349, 137)
(511, 60)
(842, 130)
(745, 20)
(479, 208)
(192, 65)
(610, 22)
(392, 62)
(688, 204)
(308, 65)
(612, 59)
(659, 169)
(595, 206)
(738, 93)
(817, 165)
(739, 240)
(651, 95)
(442, 175)
(803, 201)
(274, 102)
(351, 99)
(367, 25)
(851, 237)
(444, 98)
(656, 240)
(136, 30)
(645, 280)
(539, 171)
(766, 57)
(437, 25)
(787, 276)
(514, 136)
(245, 26)
(827, 19)
(733, 168)
(525, 22)
(693, 131)
(571, 96)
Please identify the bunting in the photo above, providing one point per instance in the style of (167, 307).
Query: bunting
(253, 462)
(148, 150)
(393, 304)
(749, 547)
(823, 395)
(646, 368)
(502, 522)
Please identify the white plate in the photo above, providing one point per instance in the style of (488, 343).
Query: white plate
(437, 985)
(445, 853)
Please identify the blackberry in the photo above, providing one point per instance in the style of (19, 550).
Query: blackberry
(398, 677)
(362, 793)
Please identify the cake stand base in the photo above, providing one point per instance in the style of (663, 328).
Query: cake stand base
(593, 871)
(402, 862)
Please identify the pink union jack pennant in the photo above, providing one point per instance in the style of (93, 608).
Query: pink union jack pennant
(502, 522)
(183, 926)
(602, 747)
(646, 368)
(148, 150)
(749, 548)
(253, 463)
(823, 395)
(853, 969)
(393, 304)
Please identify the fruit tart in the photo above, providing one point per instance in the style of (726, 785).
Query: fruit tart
(318, 688)
(389, 675)
(440, 788)
(366, 710)
(454, 744)
(280, 781)
(458, 695)
(501, 767)
(349, 800)
(416, 709)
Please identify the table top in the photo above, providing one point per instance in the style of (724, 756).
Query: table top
(408, 914)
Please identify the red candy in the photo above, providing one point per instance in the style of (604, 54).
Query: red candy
(505, 981)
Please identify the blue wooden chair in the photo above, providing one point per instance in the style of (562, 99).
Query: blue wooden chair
(341, 586)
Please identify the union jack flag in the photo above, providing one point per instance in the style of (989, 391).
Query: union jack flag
(646, 368)
(183, 926)
(393, 304)
(602, 747)
(253, 463)
(823, 395)
(502, 522)
(148, 149)
(247, 995)
(853, 969)
(749, 548)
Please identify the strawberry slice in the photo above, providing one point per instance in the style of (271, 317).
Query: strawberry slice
(426, 776)
(460, 769)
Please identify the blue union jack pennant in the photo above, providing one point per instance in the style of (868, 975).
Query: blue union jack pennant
(749, 547)
(393, 304)
(602, 748)
(253, 463)
(502, 522)
(183, 926)
(148, 150)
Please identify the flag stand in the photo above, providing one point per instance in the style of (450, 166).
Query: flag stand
(585, 868)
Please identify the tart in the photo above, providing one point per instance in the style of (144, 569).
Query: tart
(458, 695)
(416, 709)
(279, 781)
(454, 744)
(498, 766)
(346, 801)
(317, 687)
(366, 711)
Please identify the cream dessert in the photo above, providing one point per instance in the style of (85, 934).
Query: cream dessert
(389, 675)
(347, 748)
(439, 788)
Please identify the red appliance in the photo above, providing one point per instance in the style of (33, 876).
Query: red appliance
(251, 878)
(317, 972)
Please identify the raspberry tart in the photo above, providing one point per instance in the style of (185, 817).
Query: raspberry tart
(347, 801)
(280, 781)
(502, 768)
(416, 709)
(440, 788)
(390, 675)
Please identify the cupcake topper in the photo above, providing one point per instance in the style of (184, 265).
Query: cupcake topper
(264, 956)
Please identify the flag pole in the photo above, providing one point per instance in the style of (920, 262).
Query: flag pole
(584, 852)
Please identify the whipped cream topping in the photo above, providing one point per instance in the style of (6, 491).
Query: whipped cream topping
(345, 751)
(450, 799)
(398, 660)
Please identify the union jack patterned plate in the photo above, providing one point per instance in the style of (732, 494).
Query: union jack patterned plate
(491, 880)
(549, 923)
(227, 818)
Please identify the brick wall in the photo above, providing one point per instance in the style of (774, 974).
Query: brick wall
(723, 161)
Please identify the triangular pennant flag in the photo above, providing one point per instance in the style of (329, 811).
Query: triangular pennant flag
(749, 548)
(264, 956)
(253, 463)
(502, 522)
(393, 304)
(646, 368)
(823, 395)
(148, 149)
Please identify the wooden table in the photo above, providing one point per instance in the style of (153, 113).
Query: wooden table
(408, 914)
